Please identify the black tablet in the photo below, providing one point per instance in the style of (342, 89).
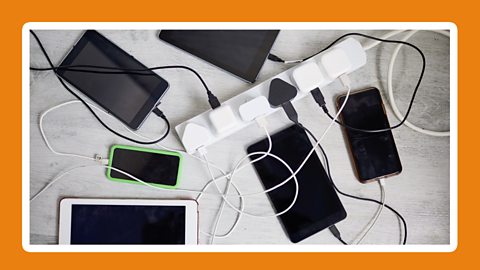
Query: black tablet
(129, 97)
(317, 206)
(240, 52)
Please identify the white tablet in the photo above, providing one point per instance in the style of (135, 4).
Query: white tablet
(128, 221)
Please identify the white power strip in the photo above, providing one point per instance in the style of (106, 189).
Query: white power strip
(203, 129)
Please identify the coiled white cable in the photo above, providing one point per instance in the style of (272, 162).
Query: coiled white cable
(393, 104)
(391, 65)
(42, 132)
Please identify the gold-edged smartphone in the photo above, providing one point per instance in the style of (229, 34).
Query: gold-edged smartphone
(374, 155)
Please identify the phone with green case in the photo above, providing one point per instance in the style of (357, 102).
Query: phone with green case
(156, 167)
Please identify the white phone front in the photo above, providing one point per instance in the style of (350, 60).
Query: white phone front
(128, 221)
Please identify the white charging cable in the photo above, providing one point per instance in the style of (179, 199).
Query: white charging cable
(391, 65)
(204, 154)
(372, 223)
(262, 122)
(58, 177)
(391, 98)
(42, 132)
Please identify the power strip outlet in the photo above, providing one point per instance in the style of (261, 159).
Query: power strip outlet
(343, 58)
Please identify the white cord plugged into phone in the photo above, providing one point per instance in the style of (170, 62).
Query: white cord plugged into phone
(58, 177)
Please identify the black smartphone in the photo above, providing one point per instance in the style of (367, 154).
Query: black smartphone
(374, 155)
(156, 167)
(129, 97)
(317, 206)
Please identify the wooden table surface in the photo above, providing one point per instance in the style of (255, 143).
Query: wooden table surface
(421, 192)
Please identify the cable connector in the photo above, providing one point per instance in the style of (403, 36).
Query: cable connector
(290, 111)
(274, 58)
(345, 80)
(336, 233)
(98, 158)
(202, 150)
(381, 182)
(319, 99)
(159, 113)
(261, 121)
(213, 101)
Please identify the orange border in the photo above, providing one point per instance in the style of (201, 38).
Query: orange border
(15, 14)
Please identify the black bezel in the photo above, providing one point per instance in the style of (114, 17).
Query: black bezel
(98, 39)
(251, 73)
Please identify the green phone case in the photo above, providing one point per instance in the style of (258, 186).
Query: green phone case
(148, 150)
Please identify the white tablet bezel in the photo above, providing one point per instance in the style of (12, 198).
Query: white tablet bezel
(191, 214)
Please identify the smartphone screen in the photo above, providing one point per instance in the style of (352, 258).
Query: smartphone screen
(374, 155)
(149, 165)
(317, 206)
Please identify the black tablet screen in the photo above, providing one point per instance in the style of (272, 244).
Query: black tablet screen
(241, 52)
(317, 206)
(127, 224)
(130, 97)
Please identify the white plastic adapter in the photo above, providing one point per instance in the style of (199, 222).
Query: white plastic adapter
(202, 136)
(307, 76)
(254, 108)
(222, 118)
(336, 63)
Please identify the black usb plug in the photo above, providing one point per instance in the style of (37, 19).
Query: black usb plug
(274, 58)
(319, 98)
(159, 113)
(336, 233)
(213, 101)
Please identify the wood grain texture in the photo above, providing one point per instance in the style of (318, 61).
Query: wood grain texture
(420, 192)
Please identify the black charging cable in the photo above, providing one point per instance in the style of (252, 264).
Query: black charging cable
(317, 94)
(157, 111)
